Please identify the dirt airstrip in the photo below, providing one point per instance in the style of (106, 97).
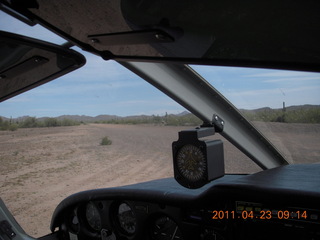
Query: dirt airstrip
(42, 166)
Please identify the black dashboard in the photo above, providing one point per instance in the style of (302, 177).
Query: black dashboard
(278, 203)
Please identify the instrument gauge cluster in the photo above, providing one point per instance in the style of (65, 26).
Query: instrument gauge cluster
(122, 219)
(223, 209)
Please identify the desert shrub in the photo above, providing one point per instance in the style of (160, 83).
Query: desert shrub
(68, 122)
(13, 127)
(302, 114)
(4, 125)
(51, 122)
(7, 125)
(184, 120)
(29, 122)
(106, 141)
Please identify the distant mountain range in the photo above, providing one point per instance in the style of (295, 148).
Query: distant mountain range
(101, 118)
(290, 108)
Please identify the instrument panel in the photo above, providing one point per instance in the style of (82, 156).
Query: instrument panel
(260, 206)
(127, 219)
(112, 219)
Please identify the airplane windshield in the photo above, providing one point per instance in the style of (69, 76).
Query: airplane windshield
(103, 126)
(283, 105)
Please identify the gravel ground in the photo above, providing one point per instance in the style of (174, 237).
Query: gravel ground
(42, 166)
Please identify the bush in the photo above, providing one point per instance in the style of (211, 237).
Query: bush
(30, 122)
(13, 127)
(68, 122)
(106, 141)
(51, 122)
(7, 125)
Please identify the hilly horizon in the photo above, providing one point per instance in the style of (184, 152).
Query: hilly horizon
(86, 118)
(303, 113)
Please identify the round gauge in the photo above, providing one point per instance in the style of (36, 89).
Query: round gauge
(126, 218)
(165, 228)
(93, 216)
(191, 163)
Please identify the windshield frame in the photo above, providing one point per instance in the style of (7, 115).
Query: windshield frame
(185, 86)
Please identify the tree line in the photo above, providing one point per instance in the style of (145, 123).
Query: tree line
(168, 120)
(33, 122)
(299, 115)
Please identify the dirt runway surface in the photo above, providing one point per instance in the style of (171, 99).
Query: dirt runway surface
(42, 166)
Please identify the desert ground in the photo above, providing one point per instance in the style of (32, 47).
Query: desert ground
(42, 166)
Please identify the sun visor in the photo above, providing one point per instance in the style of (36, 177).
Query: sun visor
(26, 63)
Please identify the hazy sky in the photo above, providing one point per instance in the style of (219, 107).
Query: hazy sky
(105, 87)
